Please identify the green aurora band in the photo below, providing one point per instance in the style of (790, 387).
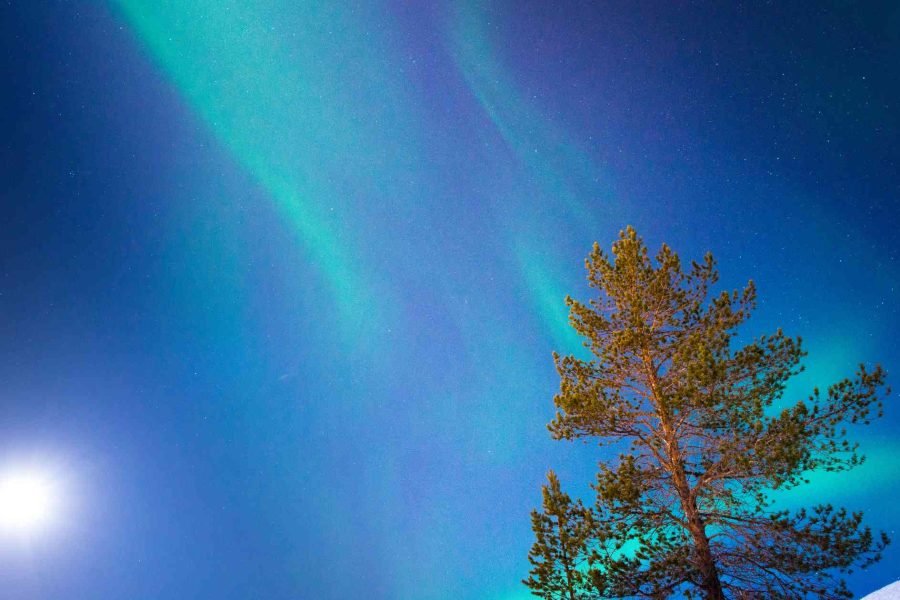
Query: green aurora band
(264, 84)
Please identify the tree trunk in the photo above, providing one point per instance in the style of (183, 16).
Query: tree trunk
(712, 585)
(561, 523)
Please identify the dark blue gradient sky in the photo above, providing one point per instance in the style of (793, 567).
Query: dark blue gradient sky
(279, 283)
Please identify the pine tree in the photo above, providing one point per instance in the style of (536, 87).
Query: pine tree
(686, 509)
(560, 557)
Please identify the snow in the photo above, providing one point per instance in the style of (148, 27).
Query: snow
(888, 592)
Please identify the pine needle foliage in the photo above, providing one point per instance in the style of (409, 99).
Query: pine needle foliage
(686, 509)
(560, 554)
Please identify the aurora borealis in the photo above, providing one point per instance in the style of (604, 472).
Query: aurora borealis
(280, 281)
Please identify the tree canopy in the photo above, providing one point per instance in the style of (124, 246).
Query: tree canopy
(703, 438)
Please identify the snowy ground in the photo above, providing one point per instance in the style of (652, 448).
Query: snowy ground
(888, 592)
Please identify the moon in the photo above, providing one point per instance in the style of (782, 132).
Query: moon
(28, 501)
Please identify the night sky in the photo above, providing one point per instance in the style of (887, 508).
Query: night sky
(280, 281)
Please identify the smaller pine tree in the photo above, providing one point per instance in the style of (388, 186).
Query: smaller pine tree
(560, 558)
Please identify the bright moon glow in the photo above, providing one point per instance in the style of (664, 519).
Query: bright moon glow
(27, 501)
